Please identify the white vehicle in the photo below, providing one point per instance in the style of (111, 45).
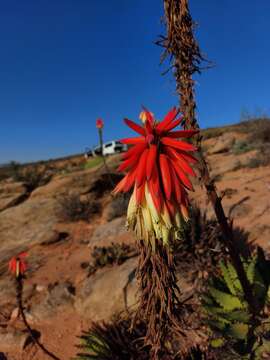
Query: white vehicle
(109, 148)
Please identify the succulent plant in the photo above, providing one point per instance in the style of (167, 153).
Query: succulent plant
(113, 341)
(228, 314)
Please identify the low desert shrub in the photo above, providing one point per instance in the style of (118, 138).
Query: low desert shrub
(262, 159)
(118, 206)
(258, 128)
(73, 208)
(241, 147)
(32, 176)
(254, 163)
(212, 133)
(93, 162)
(258, 131)
(105, 183)
(110, 255)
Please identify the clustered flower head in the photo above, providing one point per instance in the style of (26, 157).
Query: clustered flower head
(158, 165)
(99, 123)
(17, 264)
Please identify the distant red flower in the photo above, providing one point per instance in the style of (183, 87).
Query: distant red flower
(158, 165)
(17, 265)
(99, 124)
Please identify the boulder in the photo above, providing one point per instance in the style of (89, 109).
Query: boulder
(29, 223)
(108, 291)
(110, 232)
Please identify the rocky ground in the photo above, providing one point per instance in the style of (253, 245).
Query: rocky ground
(60, 297)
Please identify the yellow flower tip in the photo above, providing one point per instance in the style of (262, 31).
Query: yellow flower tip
(177, 219)
(143, 116)
(132, 207)
(184, 212)
(148, 224)
(166, 217)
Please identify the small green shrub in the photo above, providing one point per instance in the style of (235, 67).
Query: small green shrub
(14, 170)
(32, 176)
(93, 162)
(72, 208)
(212, 133)
(257, 128)
(254, 163)
(262, 159)
(110, 255)
(241, 147)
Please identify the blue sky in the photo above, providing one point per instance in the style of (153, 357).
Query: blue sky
(64, 63)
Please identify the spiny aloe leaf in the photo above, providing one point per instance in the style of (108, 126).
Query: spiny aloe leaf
(238, 331)
(94, 344)
(227, 316)
(263, 266)
(216, 343)
(234, 277)
(216, 313)
(251, 268)
(225, 300)
(218, 324)
(207, 300)
(237, 315)
(259, 288)
(227, 278)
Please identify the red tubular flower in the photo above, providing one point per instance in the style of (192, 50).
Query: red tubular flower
(99, 124)
(17, 265)
(158, 165)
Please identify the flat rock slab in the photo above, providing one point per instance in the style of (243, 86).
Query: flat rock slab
(10, 194)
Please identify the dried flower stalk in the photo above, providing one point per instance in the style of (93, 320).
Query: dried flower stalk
(182, 47)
